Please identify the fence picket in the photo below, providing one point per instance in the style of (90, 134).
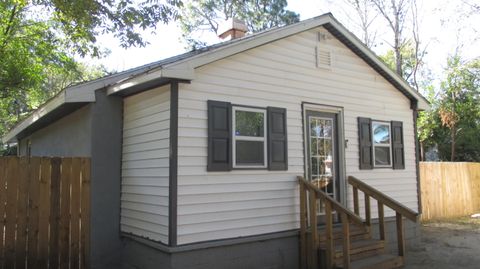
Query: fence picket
(54, 213)
(44, 213)
(11, 211)
(85, 214)
(22, 202)
(33, 209)
(64, 235)
(75, 214)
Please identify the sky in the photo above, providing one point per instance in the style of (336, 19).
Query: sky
(442, 31)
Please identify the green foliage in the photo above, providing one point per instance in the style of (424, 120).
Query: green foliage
(249, 123)
(83, 20)
(39, 39)
(410, 62)
(453, 123)
(206, 16)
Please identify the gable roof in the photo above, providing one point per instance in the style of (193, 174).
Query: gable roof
(182, 67)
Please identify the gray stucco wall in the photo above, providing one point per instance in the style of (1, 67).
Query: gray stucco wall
(106, 152)
(69, 136)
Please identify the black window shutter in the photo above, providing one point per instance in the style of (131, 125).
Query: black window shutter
(277, 138)
(398, 155)
(365, 142)
(219, 136)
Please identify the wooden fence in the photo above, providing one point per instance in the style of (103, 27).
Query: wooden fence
(44, 212)
(449, 189)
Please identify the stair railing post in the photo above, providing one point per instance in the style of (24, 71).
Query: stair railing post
(368, 215)
(303, 226)
(330, 251)
(356, 208)
(314, 228)
(381, 221)
(346, 240)
(400, 238)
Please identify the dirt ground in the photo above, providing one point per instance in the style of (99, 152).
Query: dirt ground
(453, 243)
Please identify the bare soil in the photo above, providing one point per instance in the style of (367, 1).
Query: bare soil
(451, 243)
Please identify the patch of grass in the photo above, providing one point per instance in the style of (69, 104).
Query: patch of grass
(468, 221)
(462, 221)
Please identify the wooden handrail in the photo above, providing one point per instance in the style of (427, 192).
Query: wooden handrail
(384, 199)
(335, 204)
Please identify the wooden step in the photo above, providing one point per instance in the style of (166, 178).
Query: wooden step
(384, 261)
(356, 233)
(361, 249)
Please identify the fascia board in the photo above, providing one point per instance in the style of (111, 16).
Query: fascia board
(180, 72)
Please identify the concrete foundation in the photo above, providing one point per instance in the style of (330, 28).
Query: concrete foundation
(274, 253)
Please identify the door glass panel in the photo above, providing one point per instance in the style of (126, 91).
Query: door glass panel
(322, 166)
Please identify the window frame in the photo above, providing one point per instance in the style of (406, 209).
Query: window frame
(235, 137)
(389, 145)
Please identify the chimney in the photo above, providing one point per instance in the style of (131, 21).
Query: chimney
(232, 29)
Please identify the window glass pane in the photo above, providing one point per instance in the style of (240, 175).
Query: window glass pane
(313, 147)
(325, 166)
(249, 123)
(327, 128)
(382, 155)
(249, 153)
(325, 148)
(314, 164)
(314, 129)
(320, 127)
(381, 133)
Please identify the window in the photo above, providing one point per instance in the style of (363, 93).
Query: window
(245, 137)
(381, 144)
(249, 137)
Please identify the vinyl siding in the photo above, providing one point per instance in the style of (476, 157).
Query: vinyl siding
(145, 164)
(217, 205)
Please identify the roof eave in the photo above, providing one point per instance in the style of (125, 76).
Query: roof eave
(66, 96)
(184, 73)
(51, 105)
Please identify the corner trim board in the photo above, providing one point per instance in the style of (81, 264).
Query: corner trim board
(417, 159)
(173, 166)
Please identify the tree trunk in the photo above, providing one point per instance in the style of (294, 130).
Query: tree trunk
(422, 152)
(453, 137)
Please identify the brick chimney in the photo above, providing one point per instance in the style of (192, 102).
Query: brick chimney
(232, 29)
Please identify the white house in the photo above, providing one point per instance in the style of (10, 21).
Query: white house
(195, 158)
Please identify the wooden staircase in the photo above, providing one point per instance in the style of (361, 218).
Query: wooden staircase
(348, 244)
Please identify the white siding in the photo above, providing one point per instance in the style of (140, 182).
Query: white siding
(216, 205)
(145, 164)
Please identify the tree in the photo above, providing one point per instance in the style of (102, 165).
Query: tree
(201, 16)
(410, 62)
(395, 12)
(460, 97)
(39, 40)
(366, 16)
(453, 123)
(83, 20)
